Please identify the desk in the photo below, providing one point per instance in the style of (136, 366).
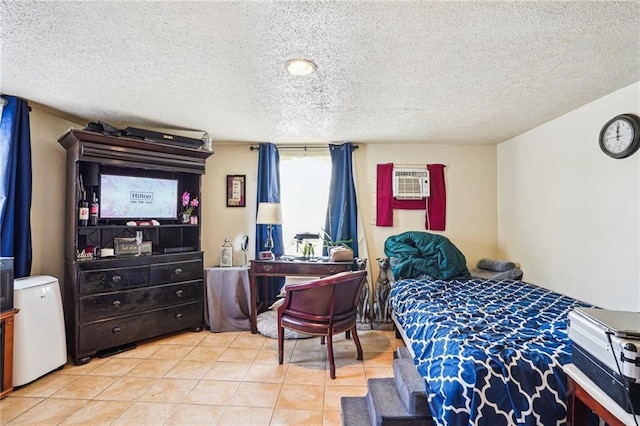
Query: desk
(227, 293)
(584, 396)
(284, 268)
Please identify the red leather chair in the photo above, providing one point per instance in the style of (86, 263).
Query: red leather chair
(323, 307)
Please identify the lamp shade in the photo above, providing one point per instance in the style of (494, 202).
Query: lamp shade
(269, 214)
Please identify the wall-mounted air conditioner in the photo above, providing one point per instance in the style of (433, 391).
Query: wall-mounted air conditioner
(410, 183)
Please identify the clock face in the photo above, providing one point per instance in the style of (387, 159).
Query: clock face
(620, 137)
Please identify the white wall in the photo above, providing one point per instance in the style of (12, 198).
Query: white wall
(470, 178)
(471, 197)
(47, 206)
(569, 213)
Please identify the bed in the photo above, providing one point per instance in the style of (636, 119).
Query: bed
(491, 352)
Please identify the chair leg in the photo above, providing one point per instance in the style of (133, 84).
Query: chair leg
(332, 364)
(322, 340)
(356, 339)
(280, 344)
(347, 334)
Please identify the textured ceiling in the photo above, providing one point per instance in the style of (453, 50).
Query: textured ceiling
(438, 72)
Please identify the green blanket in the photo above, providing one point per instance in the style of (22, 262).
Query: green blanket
(414, 254)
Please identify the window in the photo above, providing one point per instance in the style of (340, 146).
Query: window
(304, 194)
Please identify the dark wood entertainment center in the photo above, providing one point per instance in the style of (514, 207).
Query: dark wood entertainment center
(112, 302)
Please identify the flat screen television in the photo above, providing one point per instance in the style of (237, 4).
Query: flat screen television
(132, 197)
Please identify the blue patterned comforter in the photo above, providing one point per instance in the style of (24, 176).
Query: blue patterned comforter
(491, 352)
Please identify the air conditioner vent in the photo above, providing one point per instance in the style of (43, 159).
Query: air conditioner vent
(410, 184)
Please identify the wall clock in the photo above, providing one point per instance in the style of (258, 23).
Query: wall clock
(620, 136)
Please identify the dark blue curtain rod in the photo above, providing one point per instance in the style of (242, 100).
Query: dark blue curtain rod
(300, 147)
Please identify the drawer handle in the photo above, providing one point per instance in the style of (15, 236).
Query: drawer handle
(267, 267)
(179, 316)
(178, 271)
(332, 268)
(116, 330)
(116, 279)
(180, 293)
(116, 303)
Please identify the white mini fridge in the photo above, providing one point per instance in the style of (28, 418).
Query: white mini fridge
(39, 343)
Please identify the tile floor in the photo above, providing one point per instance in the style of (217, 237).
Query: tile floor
(205, 378)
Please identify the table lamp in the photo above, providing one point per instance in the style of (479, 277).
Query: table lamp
(269, 214)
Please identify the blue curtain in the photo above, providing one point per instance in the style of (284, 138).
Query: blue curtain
(341, 223)
(269, 192)
(15, 185)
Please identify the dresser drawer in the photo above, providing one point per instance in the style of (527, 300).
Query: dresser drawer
(176, 272)
(109, 305)
(102, 280)
(132, 328)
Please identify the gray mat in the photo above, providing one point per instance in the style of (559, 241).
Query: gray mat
(267, 326)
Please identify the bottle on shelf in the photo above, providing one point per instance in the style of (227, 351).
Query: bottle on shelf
(83, 211)
(93, 211)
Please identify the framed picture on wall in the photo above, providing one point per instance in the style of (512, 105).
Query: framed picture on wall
(236, 190)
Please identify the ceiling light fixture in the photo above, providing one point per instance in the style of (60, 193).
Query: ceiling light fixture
(300, 66)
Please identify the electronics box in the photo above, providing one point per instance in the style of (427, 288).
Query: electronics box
(149, 135)
(129, 246)
(601, 356)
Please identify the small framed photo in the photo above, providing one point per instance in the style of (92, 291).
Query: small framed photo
(236, 190)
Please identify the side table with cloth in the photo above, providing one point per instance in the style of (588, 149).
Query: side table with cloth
(228, 294)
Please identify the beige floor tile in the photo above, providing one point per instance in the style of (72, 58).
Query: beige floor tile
(195, 415)
(12, 406)
(115, 367)
(266, 373)
(189, 369)
(251, 416)
(342, 345)
(46, 386)
(378, 372)
(288, 417)
(169, 390)
(236, 381)
(153, 368)
(271, 344)
(305, 374)
(127, 389)
(350, 375)
(176, 352)
(143, 351)
(219, 339)
(318, 355)
(332, 418)
(70, 368)
(188, 338)
(212, 392)
(311, 344)
(248, 340)
(228, 371)
(377, 342)
(87, 387)
(348, 358)
(270, 356)
(49, 412)
(95, 413)
(332, 395)
(306, 397)
(205, 353)
(251, 394)
(238, 355)
(378, 359)
(145, 413)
